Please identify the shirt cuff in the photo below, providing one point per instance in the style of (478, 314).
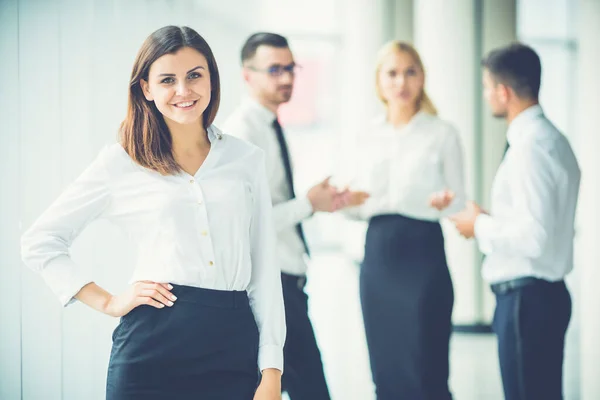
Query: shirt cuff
(483, 227)
(64, 278)
(270, 356)
(305, 208)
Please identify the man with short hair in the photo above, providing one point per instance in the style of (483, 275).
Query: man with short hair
(527, 237)
(269, 71)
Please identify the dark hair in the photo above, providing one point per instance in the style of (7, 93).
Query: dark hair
(517, 66)
(261, 39)
(144, 133)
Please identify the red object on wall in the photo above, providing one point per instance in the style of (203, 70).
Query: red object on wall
(301, 110)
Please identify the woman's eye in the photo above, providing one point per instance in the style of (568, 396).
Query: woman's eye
(167, 80)
(194, 75)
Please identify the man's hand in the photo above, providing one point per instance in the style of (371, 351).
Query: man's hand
(465, 219)
(322, 196)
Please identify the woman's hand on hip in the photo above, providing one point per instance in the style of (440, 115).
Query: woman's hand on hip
(140, 293)
(270, 385)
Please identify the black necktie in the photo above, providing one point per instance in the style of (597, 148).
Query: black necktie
(288, 174)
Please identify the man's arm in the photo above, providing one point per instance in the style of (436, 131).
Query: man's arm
(525, 232)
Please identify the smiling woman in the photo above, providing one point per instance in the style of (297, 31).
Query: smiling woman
(174, 66)
(182, 92)
(204, 312)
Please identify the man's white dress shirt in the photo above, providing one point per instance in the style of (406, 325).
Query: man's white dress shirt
(253, 122)
(529, 231)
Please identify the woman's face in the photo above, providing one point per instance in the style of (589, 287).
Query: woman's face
(179, 85)
(400, 79)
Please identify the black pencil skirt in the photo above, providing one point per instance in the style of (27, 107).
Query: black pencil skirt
(203, 347)
(407, 299)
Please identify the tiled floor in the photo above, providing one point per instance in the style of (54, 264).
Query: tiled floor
(335, 311)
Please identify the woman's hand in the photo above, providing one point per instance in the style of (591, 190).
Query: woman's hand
(140, 293)
(441, 200)
(270, 385)
(348, 198)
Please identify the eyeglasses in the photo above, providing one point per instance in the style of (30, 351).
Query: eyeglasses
(278, 70)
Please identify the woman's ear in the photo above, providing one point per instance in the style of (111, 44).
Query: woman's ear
(145, 90)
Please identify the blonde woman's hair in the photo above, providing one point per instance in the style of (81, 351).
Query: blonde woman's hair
(424, 103)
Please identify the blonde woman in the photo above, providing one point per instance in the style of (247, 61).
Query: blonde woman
(411, 166)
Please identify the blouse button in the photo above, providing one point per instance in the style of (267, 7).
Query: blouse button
(204, 233)
(211, 263)
(191, 181)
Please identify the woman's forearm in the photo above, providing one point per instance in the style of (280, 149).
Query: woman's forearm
(95, 297)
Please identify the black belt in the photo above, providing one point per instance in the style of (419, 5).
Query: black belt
(514, 284)
(298, 280)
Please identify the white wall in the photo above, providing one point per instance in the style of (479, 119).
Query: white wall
(10, 271)
(585, 118)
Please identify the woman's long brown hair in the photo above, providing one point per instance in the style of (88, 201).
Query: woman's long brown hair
(144, 134)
